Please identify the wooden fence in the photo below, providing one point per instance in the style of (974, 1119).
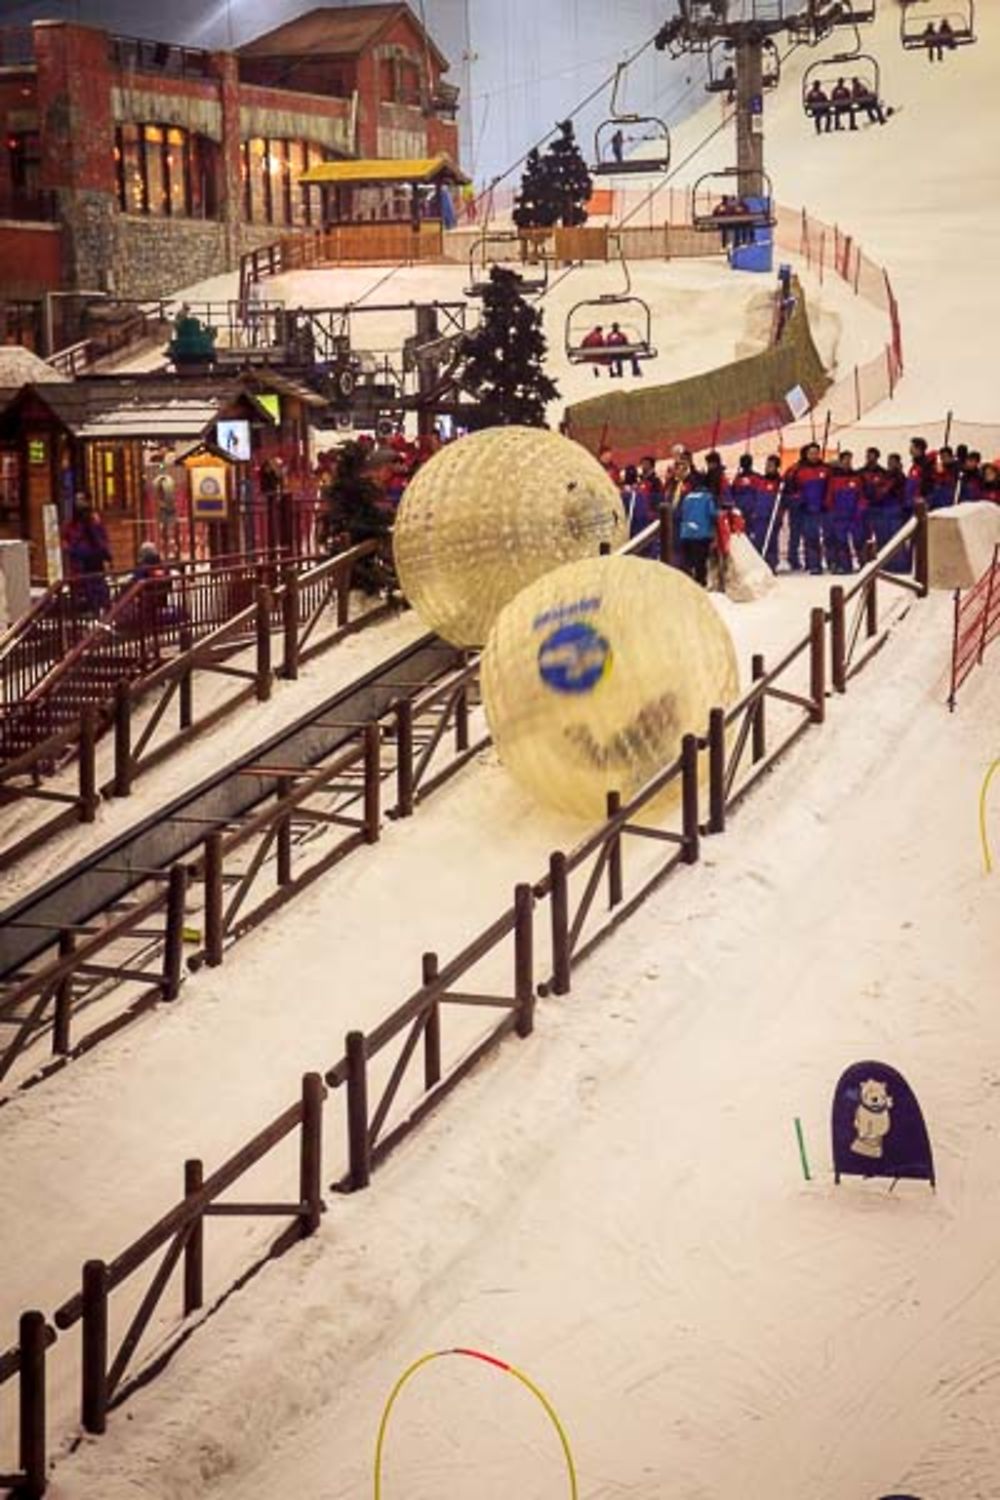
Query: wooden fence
(117, 967)
(138, 675)
(419, 1063)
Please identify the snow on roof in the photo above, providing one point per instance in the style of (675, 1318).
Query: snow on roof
(20, 366)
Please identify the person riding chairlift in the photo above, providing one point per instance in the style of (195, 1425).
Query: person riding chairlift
(818, 106)
(595, 340)
(865, 99)
(843, 104)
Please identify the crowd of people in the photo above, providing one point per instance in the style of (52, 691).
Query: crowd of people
(813, 516)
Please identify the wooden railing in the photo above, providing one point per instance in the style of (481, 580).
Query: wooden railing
(407, 1065)
(295, 606)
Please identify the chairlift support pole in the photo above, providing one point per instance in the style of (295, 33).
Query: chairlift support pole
(749, 51)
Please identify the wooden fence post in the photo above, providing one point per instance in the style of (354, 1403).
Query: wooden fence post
(838, 639)
(185, 688)
(404, 758)
(759, 748)
(871, 593)
(123, 739)
(559, 917)
(263, 631)
(283, 837)
(921, 552)
(373, 782)
(717, 770)
(358, 1141)
(524, 960)
(613, 808)
(88, 764)
(462, 719)
(311, 1154)
(817, 664)
(32, 1341)
(63, 998)
(343, 599)
(94, 1402)
(214, 916)
(194, 1250)
(173, 946)
(689, 798)
(290, 624)
(432, 1030)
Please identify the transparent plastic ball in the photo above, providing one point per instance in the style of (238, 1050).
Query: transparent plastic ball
(491, 512)
(593, 674)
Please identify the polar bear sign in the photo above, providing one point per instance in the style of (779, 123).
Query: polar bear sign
(878, 1127)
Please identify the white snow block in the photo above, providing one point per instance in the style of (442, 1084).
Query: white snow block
(747, 575)
(960, 542)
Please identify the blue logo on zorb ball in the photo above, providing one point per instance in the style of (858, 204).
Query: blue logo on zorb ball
(574, 658)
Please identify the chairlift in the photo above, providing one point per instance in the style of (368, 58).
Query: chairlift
(829, 71)
(533, 282)
(722, 69)
(610, 138)
(914, 22)
(739, 215)
(632, 315)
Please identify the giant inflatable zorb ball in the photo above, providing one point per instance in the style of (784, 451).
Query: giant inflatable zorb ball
(490, 513)
(593, 674)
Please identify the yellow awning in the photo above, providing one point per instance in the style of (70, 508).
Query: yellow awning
(376, 169)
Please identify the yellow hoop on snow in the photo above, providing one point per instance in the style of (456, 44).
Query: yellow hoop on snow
(991, 770)
(487, 1359)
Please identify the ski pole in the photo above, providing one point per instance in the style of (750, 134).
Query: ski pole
(774, 516)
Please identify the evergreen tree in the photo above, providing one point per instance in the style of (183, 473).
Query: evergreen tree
(535, 206)
(569, 181)
(504, 367)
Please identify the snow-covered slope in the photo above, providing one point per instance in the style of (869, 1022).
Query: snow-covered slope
(617, 1206)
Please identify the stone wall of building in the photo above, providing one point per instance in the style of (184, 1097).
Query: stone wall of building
(158, 257)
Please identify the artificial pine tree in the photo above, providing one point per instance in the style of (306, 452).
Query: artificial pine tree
(504, 367)
(535, 206)
(569, 181)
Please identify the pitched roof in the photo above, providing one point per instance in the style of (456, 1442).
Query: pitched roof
(334, 31)
(385, 169)
(18, 365)
(133, 407)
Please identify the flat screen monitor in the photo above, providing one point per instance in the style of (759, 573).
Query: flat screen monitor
(234, 440)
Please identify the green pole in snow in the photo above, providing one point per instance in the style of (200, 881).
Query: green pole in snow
(802, 1150)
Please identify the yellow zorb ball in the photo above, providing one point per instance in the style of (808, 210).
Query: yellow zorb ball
(490, 513)
(593, 674)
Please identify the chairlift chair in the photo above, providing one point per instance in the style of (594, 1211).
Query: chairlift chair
(722, 69)
(480, 265)
(711, 219)
(914, 20)
(828, 71)
(631, 313)
(606, 164)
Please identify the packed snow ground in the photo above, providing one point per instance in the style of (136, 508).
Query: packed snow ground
(616, 1205)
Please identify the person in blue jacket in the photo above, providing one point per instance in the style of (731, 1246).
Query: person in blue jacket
(806, 485)
(844, 516)
(696, 516)
(762, 501)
